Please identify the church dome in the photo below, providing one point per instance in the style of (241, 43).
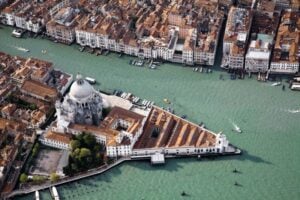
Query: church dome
(81, 89)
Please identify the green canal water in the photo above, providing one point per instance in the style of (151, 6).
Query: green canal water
(270, 140)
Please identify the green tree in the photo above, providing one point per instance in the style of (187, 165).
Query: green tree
(75, 144)
(35, 149)
(89, 140)
(38, 179)
(23, 178)
(32, 106)
(75, 154)
(74, 167)
(84, 152)
(54, 177)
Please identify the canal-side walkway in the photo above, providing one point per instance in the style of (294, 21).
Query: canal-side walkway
(89, 173)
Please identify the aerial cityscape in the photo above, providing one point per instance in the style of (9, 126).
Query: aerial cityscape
(149, 99)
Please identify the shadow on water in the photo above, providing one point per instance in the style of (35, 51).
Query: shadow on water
(174, 164)
(253, 158)
(245, 156)
(170, 166)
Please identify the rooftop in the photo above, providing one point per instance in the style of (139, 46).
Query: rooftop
(61, 137)
(39, 89)
(163, 129)
(288, 38)
(237, 29)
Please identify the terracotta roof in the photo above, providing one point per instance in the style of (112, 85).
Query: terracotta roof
(61, 137)
(39, 89)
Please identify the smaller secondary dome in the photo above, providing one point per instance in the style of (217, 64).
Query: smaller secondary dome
(81, 89)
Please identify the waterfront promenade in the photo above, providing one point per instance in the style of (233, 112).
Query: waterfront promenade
(82, 175)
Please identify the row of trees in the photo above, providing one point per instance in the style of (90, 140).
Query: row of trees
(38, 179)
(85, 153)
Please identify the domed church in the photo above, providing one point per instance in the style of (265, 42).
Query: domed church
(82, 105)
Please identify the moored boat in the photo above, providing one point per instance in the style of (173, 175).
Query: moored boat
(55, 193)
(37, 195)
(90, 80)
(17, 33)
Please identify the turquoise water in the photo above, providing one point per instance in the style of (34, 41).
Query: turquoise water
(270, 138)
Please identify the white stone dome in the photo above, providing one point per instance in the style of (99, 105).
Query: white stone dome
(81, 89)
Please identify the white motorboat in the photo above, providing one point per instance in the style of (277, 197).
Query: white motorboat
(37, 195)
(17, 33)
(90, 80)
(295, 86)
(276, 84)
(55, 193)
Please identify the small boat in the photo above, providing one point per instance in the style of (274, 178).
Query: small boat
(184, 116)
(276, 84)
(81, 49)
(44, 51)
(55, 193)
(153, 67)
(235, 170)
(37, 195)
(17, 33)
(157, 63)
(236, 183)
(90, 80)
(283, 87)
(297, 79)
(167, 101)
(295, 86)
(183, 193)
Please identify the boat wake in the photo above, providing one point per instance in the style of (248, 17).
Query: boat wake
(21, 49)
(293, 111)
(236, 128)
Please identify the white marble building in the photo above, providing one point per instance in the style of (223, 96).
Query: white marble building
(82, 105)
